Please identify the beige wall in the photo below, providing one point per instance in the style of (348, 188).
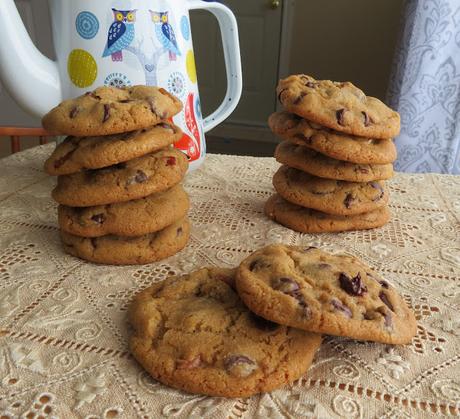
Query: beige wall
(342, 40)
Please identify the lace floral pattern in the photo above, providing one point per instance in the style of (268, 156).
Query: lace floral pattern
(63, 321)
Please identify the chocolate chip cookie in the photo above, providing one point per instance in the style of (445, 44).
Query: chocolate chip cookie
(131, 218)
(339, 146)
(330, 196)
(310, 161)
(78, 153)
(112, 110)
(122, 182)
(306, 220)
(338, 105)
(194, 333)
(118, 250)
(310, 289)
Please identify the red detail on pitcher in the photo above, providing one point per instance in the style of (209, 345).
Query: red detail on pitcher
(190, 119)
(188, 146)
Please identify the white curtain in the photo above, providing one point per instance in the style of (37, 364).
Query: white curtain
(425, 87)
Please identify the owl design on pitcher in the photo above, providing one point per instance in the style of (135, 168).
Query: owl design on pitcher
(121, 33)
(165, 33)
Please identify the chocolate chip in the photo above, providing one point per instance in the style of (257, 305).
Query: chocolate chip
(93, 95)
(361, 169)
(73, 112)
(286, 285)
(179, 232)
(324, 265)
(339, 116)
(384, 284)
(263, 324)
(188, 364)
(280, 93)
(98, 218)
(299, 98)
(257, 264)
(93, 241)
(353, 286)
(306, 249)
(377, 186)
(106, 113)
(239, 365)
(310, 84)
(338, 305)
(348, 201)
(367, 120)
(385, 300)
(304, 138)
(170, 161)
(125, 101)
(59, 162)
(139, 177)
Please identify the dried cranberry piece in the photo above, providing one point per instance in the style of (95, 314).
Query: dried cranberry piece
(348, 201)
(353, 286)
(304, 138)
(170, 161)
(239, 365)
(98, 218)
(188, 364)
(93, 241)
(106, 113)
(73, 112)
(310, 84)
(367, 119)
(386, 300)
(125, 101)
(179, 232)
(324, 265)
(165, 126)
(339, 116)
(338, 305)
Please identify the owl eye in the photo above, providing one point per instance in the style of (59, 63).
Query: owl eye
(130, 17)
(156, 18)
(119, 17)
(164, 18)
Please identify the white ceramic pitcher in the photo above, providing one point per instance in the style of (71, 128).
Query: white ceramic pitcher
(119, 43)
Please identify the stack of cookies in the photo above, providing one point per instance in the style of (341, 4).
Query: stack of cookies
(237, 332)
(336, 157)
(119, 177)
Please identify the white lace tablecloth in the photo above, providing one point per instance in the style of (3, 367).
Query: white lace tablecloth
(63, 326)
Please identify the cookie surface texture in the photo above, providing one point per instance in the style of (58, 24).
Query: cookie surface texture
(334, 144)
(338, 105)
(79, 153)
(133, 179)
(111, 110)
(118, 250)
(195, 334)
(306, 220)
(303, 158)
(330, 196)
(313, 290)
(131, 218)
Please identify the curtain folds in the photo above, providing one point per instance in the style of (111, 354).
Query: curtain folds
(425, 87)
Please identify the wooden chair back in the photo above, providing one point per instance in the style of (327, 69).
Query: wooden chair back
(15, 134)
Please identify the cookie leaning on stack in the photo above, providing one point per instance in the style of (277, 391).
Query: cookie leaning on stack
(336, 155)
(118, 186)
(238, 332)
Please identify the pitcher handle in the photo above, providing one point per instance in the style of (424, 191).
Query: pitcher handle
(231, 45)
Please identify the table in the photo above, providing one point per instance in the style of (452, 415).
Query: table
(63, 322)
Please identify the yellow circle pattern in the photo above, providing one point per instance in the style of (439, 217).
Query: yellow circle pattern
(190, 64)
(82, 68)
